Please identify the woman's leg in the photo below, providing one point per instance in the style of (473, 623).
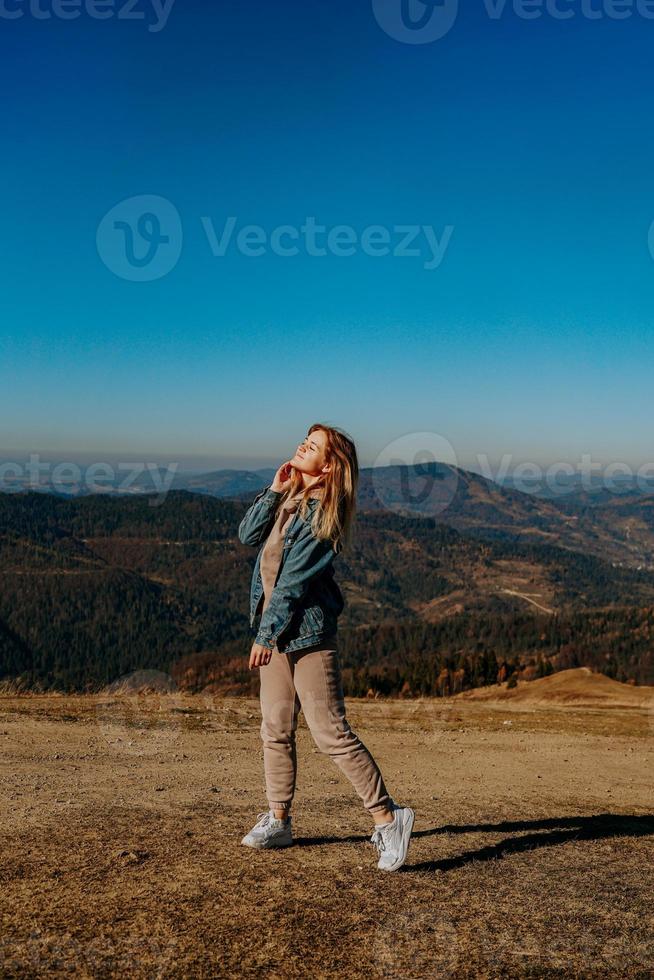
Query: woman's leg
(319, 686)
(279, 713)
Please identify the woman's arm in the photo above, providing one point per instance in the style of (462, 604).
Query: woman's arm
(258, 519)
(308, 558)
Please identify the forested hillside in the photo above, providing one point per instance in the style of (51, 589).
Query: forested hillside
(96, 587)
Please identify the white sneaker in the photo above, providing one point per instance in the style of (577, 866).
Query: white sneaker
(392, 839)
(268, 831)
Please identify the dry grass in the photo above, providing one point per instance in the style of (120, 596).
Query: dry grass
(581, 687)
(531, 856)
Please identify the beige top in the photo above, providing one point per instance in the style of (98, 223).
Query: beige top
(272, 550)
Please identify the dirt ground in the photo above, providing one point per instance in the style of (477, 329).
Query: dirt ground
(122, 816)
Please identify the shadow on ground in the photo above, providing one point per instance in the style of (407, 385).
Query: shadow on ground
(537, 833)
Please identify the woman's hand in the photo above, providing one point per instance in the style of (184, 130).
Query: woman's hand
(282, 480)
(259, 656)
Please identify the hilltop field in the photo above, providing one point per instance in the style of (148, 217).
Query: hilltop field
(532, 852)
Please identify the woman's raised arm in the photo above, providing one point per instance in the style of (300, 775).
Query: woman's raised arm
(259, 517)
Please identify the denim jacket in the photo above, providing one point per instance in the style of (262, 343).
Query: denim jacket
(306, 601)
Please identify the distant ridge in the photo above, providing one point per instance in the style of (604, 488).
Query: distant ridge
(617, 528)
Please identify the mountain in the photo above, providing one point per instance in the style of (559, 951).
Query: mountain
(628, 521)
(585, 489)
(218, 483)
(98, 586)
(616, 527)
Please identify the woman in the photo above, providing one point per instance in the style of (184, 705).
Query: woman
(301, 522)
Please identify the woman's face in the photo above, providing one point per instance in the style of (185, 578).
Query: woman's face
(310, 457)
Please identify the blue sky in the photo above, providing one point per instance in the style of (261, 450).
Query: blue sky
(531, 140)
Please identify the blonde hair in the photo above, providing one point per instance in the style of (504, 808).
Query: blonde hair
(334, 516)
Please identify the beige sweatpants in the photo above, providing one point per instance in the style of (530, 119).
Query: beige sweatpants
(311, 679)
